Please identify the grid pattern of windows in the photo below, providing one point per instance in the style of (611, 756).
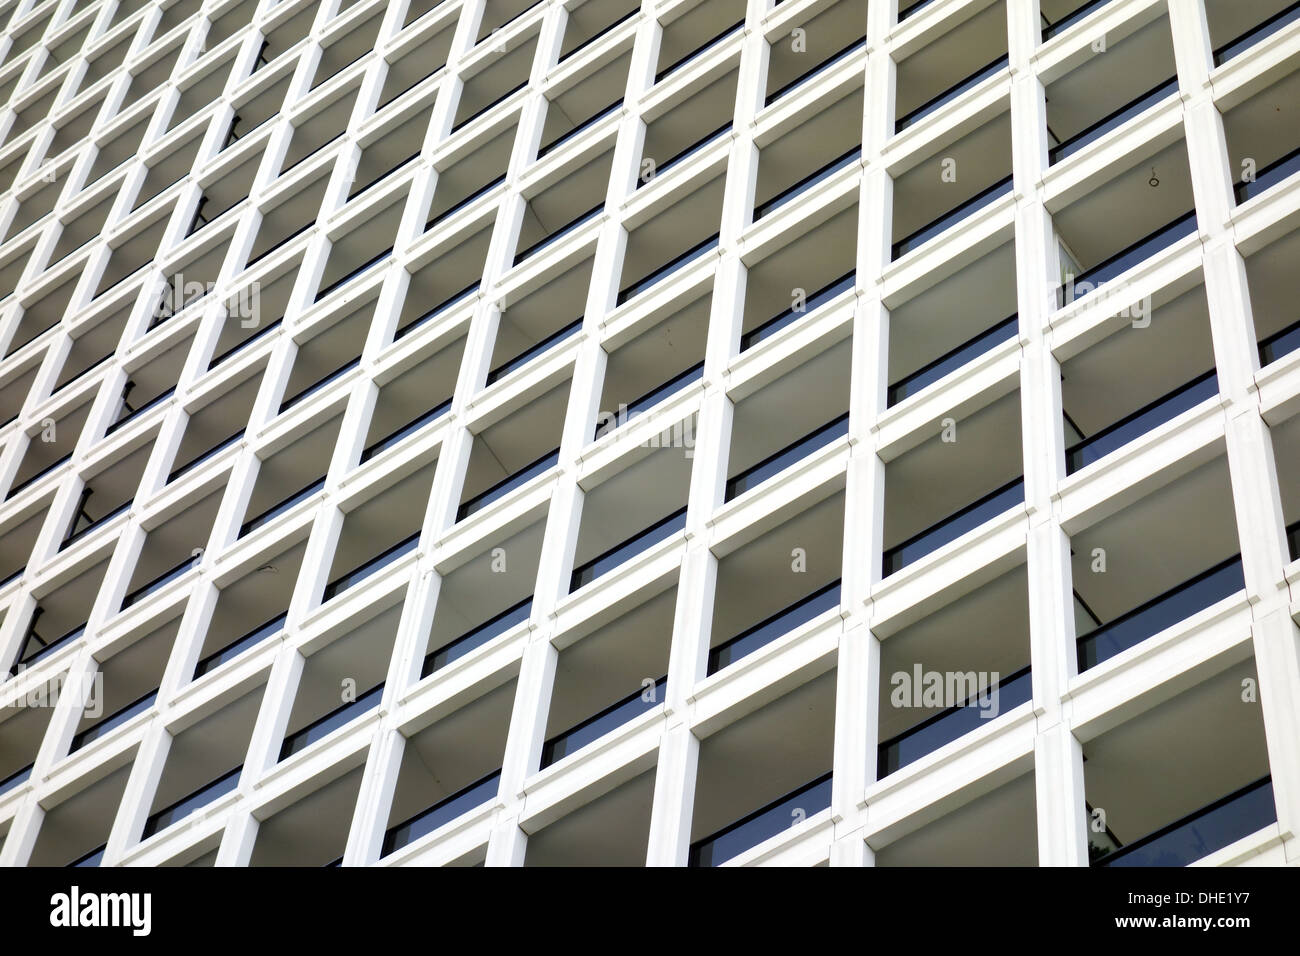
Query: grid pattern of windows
(683, 432)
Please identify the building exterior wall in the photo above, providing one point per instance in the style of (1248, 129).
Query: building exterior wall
(1046, 738)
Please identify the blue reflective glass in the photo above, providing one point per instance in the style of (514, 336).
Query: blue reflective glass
(135, 413)
(803, 185)
(338, 717)
(766, 823)
(348, 277)
(526, 356)
(954, 723)
(279, 509)
(34, 653)
(1004, 331)
(769, 629)
(384, 175)
(356, 575)
(97, 523)
(443, 812)
(1201, 833)
(915, 8)
(1078, 286)
(701, 49)
(689, 256)
(789, 316)
(1279, 344)
(1113, 121)
(461, 204)
(194, 463)
(477, 637)
(584, 125)
(187, 805)
(503, 488)
(560, 233)
(649, 400)
(1073, 17)
(410, 428)
(600, 33)
(437, 310)
(955, 525)
(113, 720)
(651, 536)
(611, 718)
(796, 451)
(825, 64)
(239, 645)
(950, 94)
(93, 858)
(482, 110)
(163, 579)
(1269, 176)
(691, 150)
(1162, 612)
(316, 386)
(48, 469)
(16, 779)
(1139, 423)
(1254, 35)
(952, 217)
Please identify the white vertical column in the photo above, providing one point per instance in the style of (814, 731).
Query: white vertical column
(679, 749)
(374, 799)
(1277, 662)
(1058, 756)
(21, 838)
(1255, 487)
(507, 843)
(857, 698)
(675, 778)
(857, 719)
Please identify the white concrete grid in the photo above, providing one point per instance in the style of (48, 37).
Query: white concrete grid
(1045, 739)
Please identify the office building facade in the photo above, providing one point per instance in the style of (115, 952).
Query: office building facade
(668, 432)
